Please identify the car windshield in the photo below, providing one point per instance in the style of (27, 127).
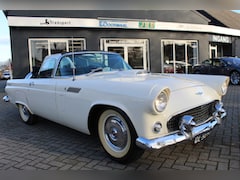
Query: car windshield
(91, 62)
(207, 62)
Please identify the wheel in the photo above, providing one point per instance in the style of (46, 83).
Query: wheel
(235, 78)
(118, 136)
(26, 115)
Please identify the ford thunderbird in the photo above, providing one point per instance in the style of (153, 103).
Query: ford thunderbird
(129, 110)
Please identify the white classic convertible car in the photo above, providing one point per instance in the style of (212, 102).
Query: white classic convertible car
(129, 110)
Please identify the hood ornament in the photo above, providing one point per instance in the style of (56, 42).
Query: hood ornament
(199, 91)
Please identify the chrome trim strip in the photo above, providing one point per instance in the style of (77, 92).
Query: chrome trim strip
(73, 89)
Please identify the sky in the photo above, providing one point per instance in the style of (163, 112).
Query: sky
(5, 48)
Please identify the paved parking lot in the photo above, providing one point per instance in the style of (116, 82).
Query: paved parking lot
(49, 146)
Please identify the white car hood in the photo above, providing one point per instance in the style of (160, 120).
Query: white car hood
(150, 80)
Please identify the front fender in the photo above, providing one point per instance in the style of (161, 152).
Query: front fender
(214, 81)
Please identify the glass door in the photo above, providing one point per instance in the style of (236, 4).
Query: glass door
(135, 57)
(213, 51)
(134, 51)
(178, 56)
(119, 50)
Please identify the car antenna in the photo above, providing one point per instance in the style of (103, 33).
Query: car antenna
(74, 68)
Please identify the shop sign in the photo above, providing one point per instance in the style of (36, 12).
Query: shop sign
(113, 24)
(146, 24)
(222, 39)
(48, 21)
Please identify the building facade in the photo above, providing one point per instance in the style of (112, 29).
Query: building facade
(156, 41)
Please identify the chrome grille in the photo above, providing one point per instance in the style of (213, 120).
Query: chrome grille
(200, 114)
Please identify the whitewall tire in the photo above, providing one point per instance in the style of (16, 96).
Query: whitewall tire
(118, 136)
(25, 114)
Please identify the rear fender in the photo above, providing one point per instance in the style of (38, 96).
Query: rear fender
(24, 104)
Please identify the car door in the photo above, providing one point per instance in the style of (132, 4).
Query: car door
(204, 67)
(217, 67)
(212, 68)
(41, 93)
(71, 103)
(41, 97)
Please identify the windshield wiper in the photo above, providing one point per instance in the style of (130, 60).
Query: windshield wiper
(99, 69)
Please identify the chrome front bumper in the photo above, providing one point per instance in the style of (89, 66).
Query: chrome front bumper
(188, 130)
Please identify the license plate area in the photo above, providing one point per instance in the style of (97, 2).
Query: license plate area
(201, 137)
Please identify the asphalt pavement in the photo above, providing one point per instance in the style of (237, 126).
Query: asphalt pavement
(50, 146)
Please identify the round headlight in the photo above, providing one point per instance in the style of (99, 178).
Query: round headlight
(161, 101)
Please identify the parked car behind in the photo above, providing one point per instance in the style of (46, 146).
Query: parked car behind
(229, 66)
(6, 74)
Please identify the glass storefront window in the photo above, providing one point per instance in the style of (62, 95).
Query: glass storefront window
(178, 56)
(39, 48)
(76, 45)
(58, 47)
(135, 57)
(168, 65)
(192, 50)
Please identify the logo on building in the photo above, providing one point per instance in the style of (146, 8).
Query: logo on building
(146, 24)
(222, 39)
(113, 24)
(48, 21)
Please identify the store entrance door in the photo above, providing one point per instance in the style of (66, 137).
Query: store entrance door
(133, 51)
(213, 51)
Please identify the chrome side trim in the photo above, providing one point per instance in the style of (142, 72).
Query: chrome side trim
(187, 130)
(73, 89)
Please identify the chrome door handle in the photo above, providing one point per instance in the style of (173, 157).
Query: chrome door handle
(31, 84)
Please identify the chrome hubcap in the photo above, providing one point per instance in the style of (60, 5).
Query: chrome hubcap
(115, 133)
(24, 113)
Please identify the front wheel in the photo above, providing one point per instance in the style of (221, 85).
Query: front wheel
(235, 78)
(118, 136)
(25, 114)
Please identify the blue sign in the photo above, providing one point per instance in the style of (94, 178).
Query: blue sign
(112, 24)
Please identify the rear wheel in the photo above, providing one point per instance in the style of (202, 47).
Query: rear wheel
(25, 114)
(235, 78)
(118, 136)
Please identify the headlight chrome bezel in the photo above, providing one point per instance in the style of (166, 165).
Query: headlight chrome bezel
(224, 87)
(161, 101)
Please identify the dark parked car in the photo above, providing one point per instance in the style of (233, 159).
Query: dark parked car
(6, 74)
(229, 66)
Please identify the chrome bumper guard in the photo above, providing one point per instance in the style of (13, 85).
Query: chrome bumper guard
(188, 130)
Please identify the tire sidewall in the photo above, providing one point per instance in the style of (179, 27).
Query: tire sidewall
(234, 72)
(121, 154)
(28, 119)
